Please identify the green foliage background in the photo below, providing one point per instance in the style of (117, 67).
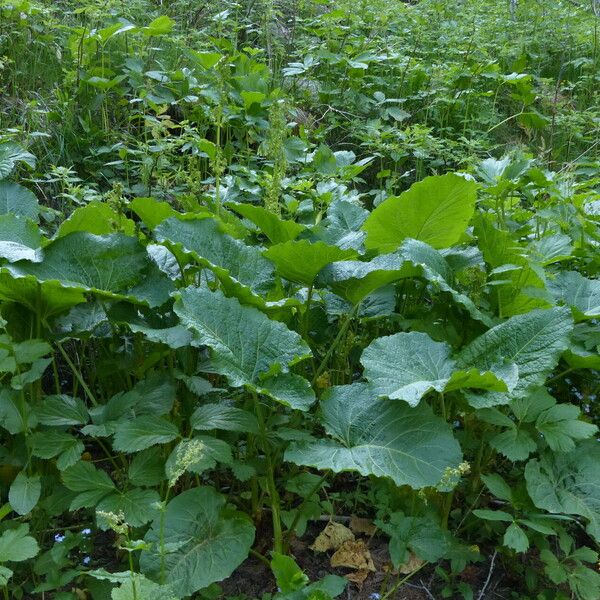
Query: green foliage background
(266, 261)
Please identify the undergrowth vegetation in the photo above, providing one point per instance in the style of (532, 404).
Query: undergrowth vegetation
(268, 264)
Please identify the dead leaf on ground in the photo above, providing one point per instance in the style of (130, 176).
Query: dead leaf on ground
(332, 537)
(360, 525)
(358, 577)
(412, 564)
(353, 554)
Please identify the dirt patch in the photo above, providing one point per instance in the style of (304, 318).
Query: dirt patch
(253, 578)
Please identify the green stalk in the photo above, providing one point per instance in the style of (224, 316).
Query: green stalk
(77, 374)
(271, 486)
(299, 508)
(336, 341)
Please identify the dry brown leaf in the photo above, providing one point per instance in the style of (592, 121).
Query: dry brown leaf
(332, 537)
(354, 555)
(412, 564)
(360, 525)
(358, 577)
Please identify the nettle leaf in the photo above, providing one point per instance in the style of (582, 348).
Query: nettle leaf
(276, 229)
(90, 483)
(406, 366)
(197, 455)
(567, 483)
(143, 432)
(533, 342)
(135, 586)
(574, 290)
(153, 396)
(62, 410)
(378, 437)
(420, 535)
(18, 200)
(221, 416)
(561, 427)
(24, 493)
(241, 269)
(558, 423)
(436, 210)
(517, 283)
(16, 415)
(147, 468)
(16, 545)
(497, 486)
(20, 239)
(197, 542)
(137, 506)
(515, 538)
(245, 345)
(48, 444)
(300, 261)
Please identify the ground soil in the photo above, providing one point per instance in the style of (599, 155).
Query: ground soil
(252, 579)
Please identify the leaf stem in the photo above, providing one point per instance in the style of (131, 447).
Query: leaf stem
(299, 508)
(402, 581)
(77, 374)
(336, 341)
(271, 486)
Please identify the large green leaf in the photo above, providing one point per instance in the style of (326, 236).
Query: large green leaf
(300, 261)
(114, 266)
(436, 210)
(98, 218)
(342, 226)
(242, 270)
(533, 341)
(47, 299)
(355, 280)
(18, 200)
(245, 345)
(568, 483)
(276, 229)
(582, 295)
(406, 366)
(151, 211)
(19, 239)
(197, 542)
(379, 437)
(10, 155)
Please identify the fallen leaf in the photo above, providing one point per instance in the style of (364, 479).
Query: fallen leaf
(358, 577)
(360, 525)
(332, 537)
(353, 554)
(411, 565)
